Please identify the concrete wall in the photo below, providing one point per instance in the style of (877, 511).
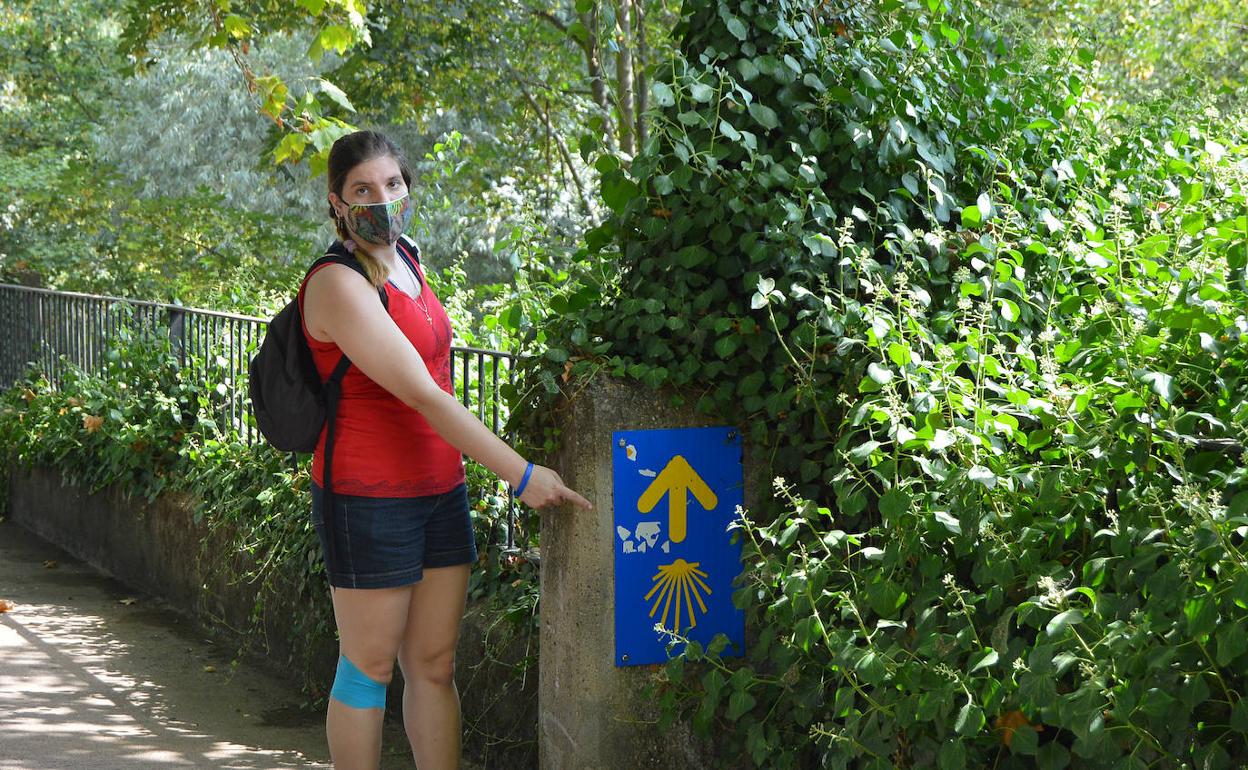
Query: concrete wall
(594, 716)
(159, 549)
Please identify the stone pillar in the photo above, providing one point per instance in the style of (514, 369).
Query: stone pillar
(593, 715)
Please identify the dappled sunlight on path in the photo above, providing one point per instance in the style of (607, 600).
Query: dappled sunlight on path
(92, 677)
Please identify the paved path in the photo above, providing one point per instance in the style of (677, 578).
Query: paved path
(93, 675)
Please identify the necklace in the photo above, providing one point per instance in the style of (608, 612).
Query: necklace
(424, 306)
(419, 296)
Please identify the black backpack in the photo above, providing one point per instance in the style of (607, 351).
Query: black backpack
(290, 402)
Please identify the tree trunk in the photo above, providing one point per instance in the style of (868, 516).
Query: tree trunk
(593, 66)
(640, 64)
(624, 76)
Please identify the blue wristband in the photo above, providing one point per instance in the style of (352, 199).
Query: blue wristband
(524, 481)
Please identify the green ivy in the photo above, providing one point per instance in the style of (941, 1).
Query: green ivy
(989, 338)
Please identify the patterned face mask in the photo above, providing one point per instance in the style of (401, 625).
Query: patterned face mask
(380, 222)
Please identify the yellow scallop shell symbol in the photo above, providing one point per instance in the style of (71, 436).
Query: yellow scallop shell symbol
(685, 582)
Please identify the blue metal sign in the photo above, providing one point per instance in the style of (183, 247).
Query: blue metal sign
(676, 492)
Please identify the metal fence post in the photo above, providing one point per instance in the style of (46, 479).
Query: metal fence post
(177, 333)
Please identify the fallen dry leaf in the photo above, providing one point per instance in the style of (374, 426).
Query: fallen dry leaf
(51, 564)
(6, 605)
(210, 669)
(1009, 722)
(127, 601)
(92, 423)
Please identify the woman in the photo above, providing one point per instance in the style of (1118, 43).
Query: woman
(402, 537)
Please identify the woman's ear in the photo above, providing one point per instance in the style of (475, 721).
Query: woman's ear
(336, 204)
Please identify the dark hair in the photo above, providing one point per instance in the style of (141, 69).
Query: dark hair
(348, 152)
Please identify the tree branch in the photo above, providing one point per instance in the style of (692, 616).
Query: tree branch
(564, 155)
(551, 18)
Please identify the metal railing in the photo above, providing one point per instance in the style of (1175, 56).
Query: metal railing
(55, 330)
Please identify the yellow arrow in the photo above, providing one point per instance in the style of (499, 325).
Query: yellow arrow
(675, 480)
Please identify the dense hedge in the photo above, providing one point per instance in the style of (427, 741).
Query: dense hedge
(990, 335)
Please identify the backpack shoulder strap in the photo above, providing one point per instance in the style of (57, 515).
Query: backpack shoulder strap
(338, 254)
(410, 247)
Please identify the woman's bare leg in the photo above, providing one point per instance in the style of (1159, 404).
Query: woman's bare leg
(371, 624)
(427, 658)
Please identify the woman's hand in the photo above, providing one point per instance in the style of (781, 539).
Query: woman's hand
(545, 489)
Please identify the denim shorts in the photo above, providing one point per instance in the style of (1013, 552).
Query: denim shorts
(382, 542)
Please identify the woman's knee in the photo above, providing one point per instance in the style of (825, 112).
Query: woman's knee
(379, 667)
(436, 668)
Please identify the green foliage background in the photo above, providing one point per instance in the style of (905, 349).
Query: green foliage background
(971, 277)
(984, 317)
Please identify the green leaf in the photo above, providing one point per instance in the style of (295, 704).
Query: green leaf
(1052, 756)
(739, 703)
(870, 667)
(1202, 615)
(1239, 716)
(949, 521)
(736, 27)
(618, 191)
(970, 719)
(863, 451)
(236, 27)
(982, 475)
(727, 130)
(971, 216)
(726, 346)
(662, 94)
(880, 374)
(899, 353)
(578, 32)
(1058, 625)
(748, 69)
(895, 502)
(335, 37)
(985, 658)
(1025, 741)
(952, 756)
(1009, 309)
(844, 702)
(335, 93)
(1161, 383)
(290, 148)
(765, 116)
(984, 204)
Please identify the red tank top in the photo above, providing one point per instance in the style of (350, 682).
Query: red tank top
(383, 447)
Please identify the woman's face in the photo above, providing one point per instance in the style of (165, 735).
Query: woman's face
(374, 181)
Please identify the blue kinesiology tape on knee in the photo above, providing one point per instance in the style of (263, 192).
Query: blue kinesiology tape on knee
(355, 689)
